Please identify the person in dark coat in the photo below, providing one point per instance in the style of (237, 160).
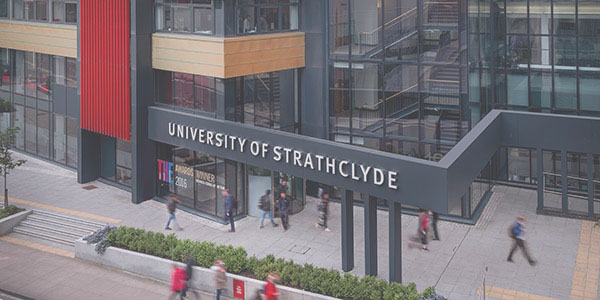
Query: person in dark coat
(285, 203)
(189, 264)
(434, 220)
(230, 203)
(282, 188)
(265, 205)
(323, 212)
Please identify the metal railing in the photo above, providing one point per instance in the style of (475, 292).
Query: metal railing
(371, 38)
(554, 187)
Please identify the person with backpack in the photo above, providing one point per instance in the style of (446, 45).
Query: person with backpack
(285, 203)
(171, 207)
(265, 205)
(517, 233)
(323, 212)
(230, 205)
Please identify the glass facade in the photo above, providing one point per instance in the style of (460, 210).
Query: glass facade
(264, 16)
(199, 179)
(187, 16)
(55, 11)
(38, 85)
(190, 92)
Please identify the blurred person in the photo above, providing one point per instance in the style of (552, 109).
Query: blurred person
(517, 233)
(285, 203)
(230, 204)
(434, 220)
(265, 205)
(171, 208)
(270, 288)
(189, 268)
(178, 279)
(220, 277)
(323, 212)
(423, 229)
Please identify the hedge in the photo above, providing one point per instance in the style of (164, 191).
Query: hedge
(10, 211)
(305, 277)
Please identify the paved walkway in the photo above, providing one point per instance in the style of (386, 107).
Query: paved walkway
(455, 266)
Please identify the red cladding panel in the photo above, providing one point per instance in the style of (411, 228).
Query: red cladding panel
(105, 72)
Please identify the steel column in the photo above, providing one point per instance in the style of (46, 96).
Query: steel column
(371, 236)
(564, 181)
(590, 183)
(347, 230)
(540, 179)
(395, 232)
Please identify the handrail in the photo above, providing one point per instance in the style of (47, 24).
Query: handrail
(264, 84)
(414, 9)
(570, 176)
(388, 98)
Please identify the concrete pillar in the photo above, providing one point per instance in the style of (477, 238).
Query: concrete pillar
(347, 230)
(395, 232)
(88, 157)
(590, 183)
(370, 236)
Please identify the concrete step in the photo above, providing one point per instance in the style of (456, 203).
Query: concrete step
(63, 222)
(40, 241)
(43, 234)
(77, 233)
(69, 218)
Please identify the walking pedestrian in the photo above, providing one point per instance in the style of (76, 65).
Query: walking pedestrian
(230, 205)
(265, 205)
(270, 288)
(284, 209)
(220, 277)
(171, 207)
(178, 278)
(434, 220)
(423, 228)
(189, 264)
(323, 212)
(517, 233)
(282, 188)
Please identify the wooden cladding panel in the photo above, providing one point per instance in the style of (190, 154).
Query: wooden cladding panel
(55, 39)
(228, 57)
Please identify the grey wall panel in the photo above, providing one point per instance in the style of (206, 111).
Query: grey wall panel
(59, 99)
(414, 176)
(72, 102)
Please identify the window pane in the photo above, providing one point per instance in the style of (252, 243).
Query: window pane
(123, 176)
(28, 10)
(203, 20)
(5, 65)
(565, 89)
(589, 47)
(164, 87)
(20, 123)
(59, 151)
(541, 89)
(540, 16)
(43, 134)
(17, 9)
(58, 70)
(41, 10)
(19, 72)
(30, 129)
(205, 180)
(564, 17)
(205, 93)
(184, 90)
(3, 8)
(564, 53)
(516, 17)
(518, 165)
(30, 74)
(124, 153)
(289, 17)
(589, 89)
(163, 18)
(71, 15)
(184, 175)
(247, 20)
(518, 92)
(72, 131)
(71, 72)
(58, 11)
(43, 85)
(182, 19)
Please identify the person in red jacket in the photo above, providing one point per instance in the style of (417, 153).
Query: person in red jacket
(270, 288)
(178, 278)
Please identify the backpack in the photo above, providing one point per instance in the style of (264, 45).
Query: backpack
(264, 203)
(514, 230)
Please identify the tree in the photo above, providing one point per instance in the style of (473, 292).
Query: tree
(7, 162)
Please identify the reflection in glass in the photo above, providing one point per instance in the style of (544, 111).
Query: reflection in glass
(589, 92)
(565, 89)
(72, 132)
(5, 69)
(30, 130)
(20, 123)
(59, 136)
(43, 134)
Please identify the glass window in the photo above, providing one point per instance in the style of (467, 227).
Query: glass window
(203, 20)
(516, 16)
(247, 20)
(164, 86)
(30, 74)
(19, 71)
(5, 69)
(43, 134)
(71, 71)
(184, 175)
(518, 88)
(518, 165)
(265, 16)
(20, 123)
(41, 10)
(184, 90)
(181, 17)
(43, 83)
(4, 8)
(72, 133)
(30, 130)
(564, 53)
(589, 89)
(541, 89)
(58, 11)
(206, 184)
(589, 47)
(565, 89)
(58, 70)
(71, 12)
(163, 18)
(59, 143)
(205, 93)
(124, 165)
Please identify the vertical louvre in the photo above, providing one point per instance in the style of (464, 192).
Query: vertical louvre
(105, 72)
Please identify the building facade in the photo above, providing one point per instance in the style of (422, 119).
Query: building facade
(90, 81)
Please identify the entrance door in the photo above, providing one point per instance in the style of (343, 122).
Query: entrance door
(259, 181)
(295, 188)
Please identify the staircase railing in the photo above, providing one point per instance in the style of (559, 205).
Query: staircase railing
(371, 38)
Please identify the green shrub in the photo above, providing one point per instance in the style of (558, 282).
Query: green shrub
(306, 277)
(11, 210)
